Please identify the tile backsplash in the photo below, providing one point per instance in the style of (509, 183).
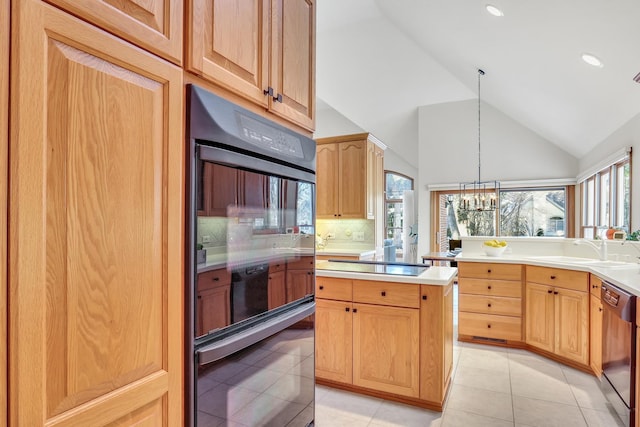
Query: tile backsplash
(213, 228)
(345, 230)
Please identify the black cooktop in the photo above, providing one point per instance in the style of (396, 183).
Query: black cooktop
(399, 269)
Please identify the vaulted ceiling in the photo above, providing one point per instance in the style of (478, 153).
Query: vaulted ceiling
(379, 60)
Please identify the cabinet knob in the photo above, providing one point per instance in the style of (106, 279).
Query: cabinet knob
(268, 91)
(489, 271)
(555, 292)
(383, 293)
(489, 326)
(489, 287)
(424, 297)
(553, 277)
(599, 308)
(346, 309)
(549, 291)
(308, 273)
(216, 279)
(200, 297)
(489, 305)
(270, 278)
(355, 310)
(321, 287)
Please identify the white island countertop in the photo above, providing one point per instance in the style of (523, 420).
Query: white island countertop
(362, 253)
(626, 275)
(440, 276)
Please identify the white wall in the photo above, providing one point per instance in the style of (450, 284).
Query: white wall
(448, 153)
(627, 135)
(331, 123)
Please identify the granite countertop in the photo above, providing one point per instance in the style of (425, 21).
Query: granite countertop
(626, 275)
(432, 276)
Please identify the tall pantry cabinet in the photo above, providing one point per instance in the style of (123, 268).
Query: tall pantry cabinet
(96, 217)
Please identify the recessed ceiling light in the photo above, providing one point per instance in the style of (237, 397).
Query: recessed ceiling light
(494, 10)
(592, 60)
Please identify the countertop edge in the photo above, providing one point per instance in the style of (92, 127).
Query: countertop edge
(437, 276)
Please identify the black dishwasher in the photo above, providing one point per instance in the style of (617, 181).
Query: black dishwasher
(619, 350)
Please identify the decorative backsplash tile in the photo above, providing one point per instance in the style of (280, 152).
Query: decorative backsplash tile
(345, 230)
(213, 228)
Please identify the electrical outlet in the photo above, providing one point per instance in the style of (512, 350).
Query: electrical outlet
(206, 239)
(331, 235)
(358, 236)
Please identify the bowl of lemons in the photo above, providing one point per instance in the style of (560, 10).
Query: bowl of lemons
(494, 247)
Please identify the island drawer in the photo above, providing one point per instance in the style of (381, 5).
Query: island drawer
(386, 293)
(490, 305)
(490, 270)
(490, 326)
(213, 279)
(503, 288)
(275, 266)
(333, 288)
(568, 279)
(301, 263)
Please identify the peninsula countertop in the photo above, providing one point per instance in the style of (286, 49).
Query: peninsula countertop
(439, 276)
(626, 275)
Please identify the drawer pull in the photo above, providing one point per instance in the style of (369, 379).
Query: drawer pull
(424, 297)
(489, 326)
(549, 291)
(489, 305)
(355, 310)
(383, 293)
(270, 278)
(321, 287)
(216, 279)
(346, 309)
(489, 287)
(555, 292)
(553, 277)
(489, 271)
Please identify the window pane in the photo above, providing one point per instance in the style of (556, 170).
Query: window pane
(396, 184)
(532, 212)
(605, 185)
(466, 223)
(624, 197)
(589, 202)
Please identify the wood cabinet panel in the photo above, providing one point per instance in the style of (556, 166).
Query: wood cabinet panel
(493, 271)
(539, 309)
(219, 189)
(568, 279)
(293, 63)
(572, 325)
(595, 285)
(327, 181)
(502, 288)
(386, 293)
(490, 305)
(4, 166)
(95, 126)
(301, 263)
(333, 288)
(595, 335)
(277, 289)
(213, 279)
(299, 284)
(490, 326)
(213, 309)
(386, 349)
(334, 351)
(154, 25)
(352, 179)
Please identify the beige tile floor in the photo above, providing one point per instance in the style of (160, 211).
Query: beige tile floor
(491, 387)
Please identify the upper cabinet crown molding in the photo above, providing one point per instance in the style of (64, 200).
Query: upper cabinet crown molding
(154, 25)
(262, 50)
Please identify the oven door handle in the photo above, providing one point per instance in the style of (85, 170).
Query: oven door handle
(244, 339)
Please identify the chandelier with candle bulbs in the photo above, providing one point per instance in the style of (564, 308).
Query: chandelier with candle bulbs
(479, 196)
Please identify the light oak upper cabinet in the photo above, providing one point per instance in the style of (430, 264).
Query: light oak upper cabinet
(353, 189)
(96, 207)
(263, 50)
(557, 312)
(154, 25)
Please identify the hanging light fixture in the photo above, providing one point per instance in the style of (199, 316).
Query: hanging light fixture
(479, 195)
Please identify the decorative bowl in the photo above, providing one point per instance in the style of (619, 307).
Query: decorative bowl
(494, 251)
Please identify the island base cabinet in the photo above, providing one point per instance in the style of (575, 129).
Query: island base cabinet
(386, 349)
(334, 340)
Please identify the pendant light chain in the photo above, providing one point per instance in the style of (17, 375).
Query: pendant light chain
(480, 73)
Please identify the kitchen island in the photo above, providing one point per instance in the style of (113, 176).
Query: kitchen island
(385, 334)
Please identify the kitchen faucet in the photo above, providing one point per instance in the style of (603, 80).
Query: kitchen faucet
(602, 249)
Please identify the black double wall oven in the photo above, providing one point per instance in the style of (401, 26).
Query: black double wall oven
(250, 257)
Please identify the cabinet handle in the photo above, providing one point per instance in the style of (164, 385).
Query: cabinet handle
(489, 271)
(489, 305)
(268, 91)
(355, 310)
(489, 326)
(424, 297)
(308, 273)
(346, 309)
(599, 308)
(555, 292)
(216, 279)
(200, 297)
(270, 278)
(278, 98)
(549, 291)
(383, 293)
(489, 287)
(321, 287)
(595, 286)
(553, 277)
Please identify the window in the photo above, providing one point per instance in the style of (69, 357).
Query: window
(395, 185)
(523, 212)
(606, 199)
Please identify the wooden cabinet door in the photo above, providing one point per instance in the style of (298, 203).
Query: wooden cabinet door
(299, 283)
(213, 310)
(293, 61)
(572, 325)
(220, 189)
(386, 349)
(327, 181)
(277, 289)
(252, 189)
(351, 184)
(539, 313)
(228, 43)
(96, 209)
(595, 335)
(333, 340)
(154, 25)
